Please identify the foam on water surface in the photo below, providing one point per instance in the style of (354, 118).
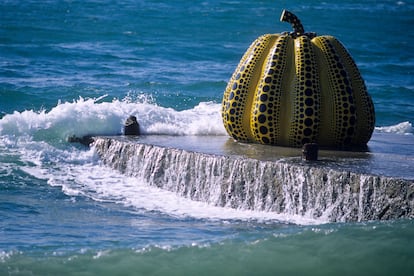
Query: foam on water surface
(38, 139)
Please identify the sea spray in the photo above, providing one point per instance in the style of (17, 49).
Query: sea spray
(91, 117)
(401, 128)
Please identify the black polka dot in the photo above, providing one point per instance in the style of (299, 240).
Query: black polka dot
(308, 92)
(307, 132)
(309, 101)
(309, 111)
(308, 122)
(262, 118)
(263, 130)
(263, 97)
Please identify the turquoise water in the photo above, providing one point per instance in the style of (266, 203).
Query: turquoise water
(82, 67)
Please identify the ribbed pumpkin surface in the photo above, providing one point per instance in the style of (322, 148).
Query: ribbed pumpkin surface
(292, 89)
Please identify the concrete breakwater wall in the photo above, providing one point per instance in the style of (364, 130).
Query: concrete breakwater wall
(282, 186)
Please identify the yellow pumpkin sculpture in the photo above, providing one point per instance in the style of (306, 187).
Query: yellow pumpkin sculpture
(295, 88)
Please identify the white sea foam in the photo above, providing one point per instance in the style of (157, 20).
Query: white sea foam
(105, 185)
(91, 117)
(94, 117)
(401, 128)
(79, 173)
(39, 138)
(4, 256)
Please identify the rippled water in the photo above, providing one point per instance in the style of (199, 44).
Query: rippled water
(82, 67)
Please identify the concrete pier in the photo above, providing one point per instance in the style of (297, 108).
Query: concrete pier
(375, 184)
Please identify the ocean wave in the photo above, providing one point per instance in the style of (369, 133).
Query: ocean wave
(95, 117)
(405, 128)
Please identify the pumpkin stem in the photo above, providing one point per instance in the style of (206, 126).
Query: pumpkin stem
(289, 17)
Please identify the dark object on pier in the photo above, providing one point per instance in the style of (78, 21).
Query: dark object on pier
(85, 140)
(131, 126)
(310, 151)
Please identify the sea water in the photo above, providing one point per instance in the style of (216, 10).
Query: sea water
(74, 68)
